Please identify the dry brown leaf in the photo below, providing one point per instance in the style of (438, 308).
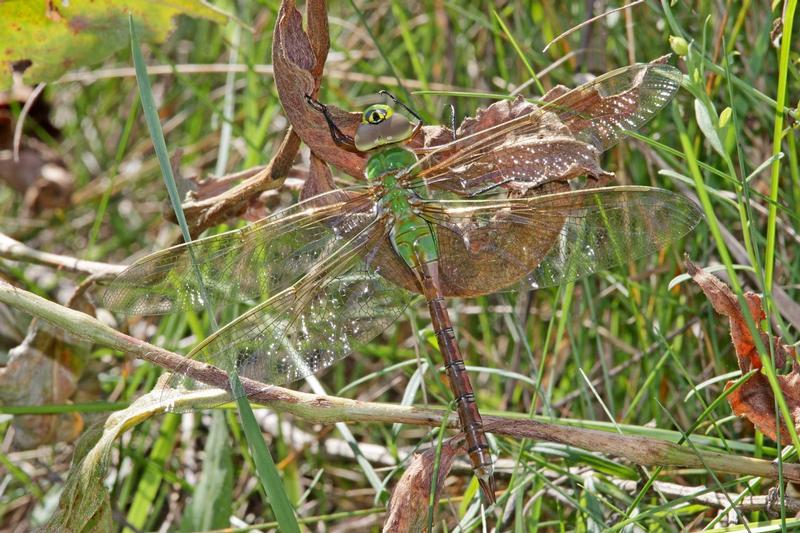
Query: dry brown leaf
(298, 58)
(297, 69)
(408, 508)
(497, 113)
(319, 178)
(38, 174)
(754, 399)
(43, 370)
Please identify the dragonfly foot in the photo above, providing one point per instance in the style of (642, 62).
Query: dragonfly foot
(316, 104)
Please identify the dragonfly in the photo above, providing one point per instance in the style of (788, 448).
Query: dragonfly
(488, 211)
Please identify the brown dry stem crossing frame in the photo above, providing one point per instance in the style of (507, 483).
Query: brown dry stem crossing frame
(329, 409)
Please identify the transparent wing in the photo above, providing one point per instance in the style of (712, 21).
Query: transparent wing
(601, 111)
(558, 140)
(342, 300)
(250, 263)
(488, 245)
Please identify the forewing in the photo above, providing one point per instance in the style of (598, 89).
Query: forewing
(343, 300)
(251, 263)
(558, 140)
(488, 245)
(601, 111)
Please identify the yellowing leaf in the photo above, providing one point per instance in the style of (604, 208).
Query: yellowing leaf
(84, 505)
(46, 38)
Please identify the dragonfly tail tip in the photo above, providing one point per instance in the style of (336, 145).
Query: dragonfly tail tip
(487, 487)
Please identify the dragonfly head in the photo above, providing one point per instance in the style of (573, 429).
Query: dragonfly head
(380, 125)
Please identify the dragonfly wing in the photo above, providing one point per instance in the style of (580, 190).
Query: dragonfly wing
(488, 245)
(601, 111)
(558, 140)
(250, 263)
(342, 300)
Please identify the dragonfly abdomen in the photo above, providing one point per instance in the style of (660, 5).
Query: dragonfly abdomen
(413, 241)
(468, 413)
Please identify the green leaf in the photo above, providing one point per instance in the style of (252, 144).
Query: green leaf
(706, 124)
(725, 117)
(57, 36)
(211, 505)
(144, 501)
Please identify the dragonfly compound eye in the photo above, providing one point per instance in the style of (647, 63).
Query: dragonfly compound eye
(375, 114)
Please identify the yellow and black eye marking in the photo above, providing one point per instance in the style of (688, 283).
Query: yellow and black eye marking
(375, 114)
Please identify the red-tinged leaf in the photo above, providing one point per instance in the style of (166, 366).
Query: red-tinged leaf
(298, 58)
(725, 303)
(754, 399)
(319, 178)
(552, 140)
(408, 508)
(49, 38)
(497, 113)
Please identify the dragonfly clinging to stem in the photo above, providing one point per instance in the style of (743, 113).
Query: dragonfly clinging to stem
(488, 210)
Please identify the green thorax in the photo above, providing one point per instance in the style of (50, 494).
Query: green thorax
(389, 159)
(411, 236)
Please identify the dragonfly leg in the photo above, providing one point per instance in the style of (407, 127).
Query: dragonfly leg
(339, 137)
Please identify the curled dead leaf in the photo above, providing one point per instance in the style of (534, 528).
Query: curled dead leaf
(298, 58)
(297, 69)
(408, 508)
(495, 114)
(754, 399)
(725, 303)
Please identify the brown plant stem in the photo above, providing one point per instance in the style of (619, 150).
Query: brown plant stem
(330, 409)
(716, 499)
(203, 214)
(206, 213)
(335, 73)
(17, 251)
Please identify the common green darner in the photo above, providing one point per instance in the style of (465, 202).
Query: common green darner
(473, 216)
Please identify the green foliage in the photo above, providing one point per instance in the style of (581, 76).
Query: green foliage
(212, 502)
(656, 356)
(59, 36)
(265, 466)
(85, 505)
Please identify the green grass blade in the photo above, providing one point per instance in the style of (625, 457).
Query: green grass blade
(777, 138)
(518, 50)
(265, 466)
(147, 490)
(211, 504)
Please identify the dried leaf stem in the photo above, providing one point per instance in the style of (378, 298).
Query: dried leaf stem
(330, 409)
(16, 251)
(203, 214)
